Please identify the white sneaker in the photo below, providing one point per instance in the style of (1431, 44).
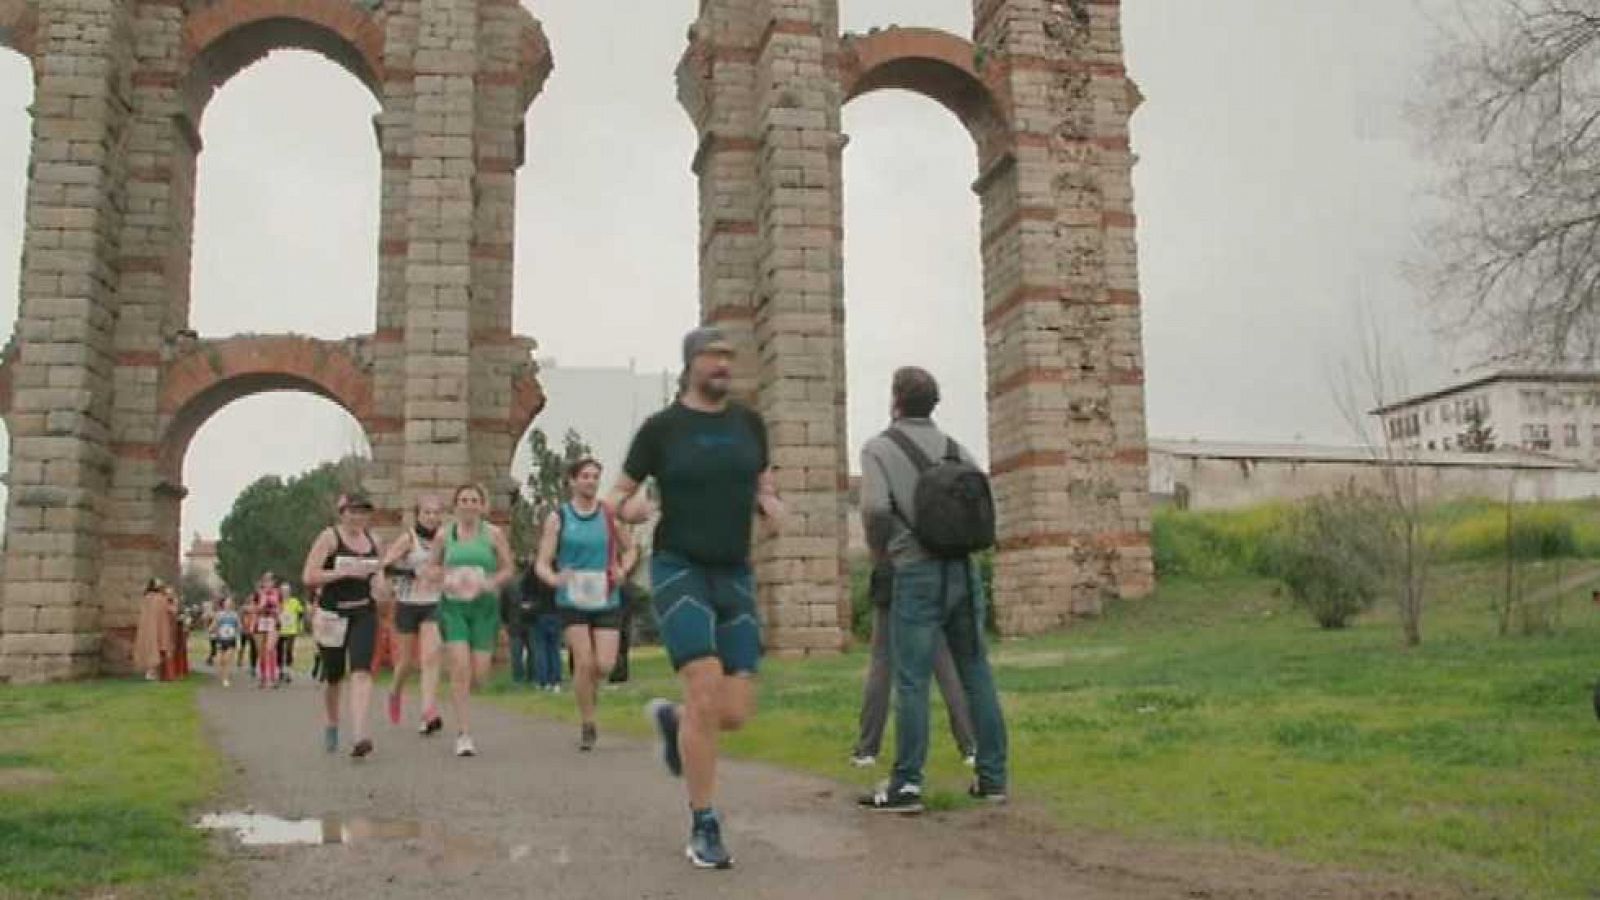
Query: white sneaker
(225, 683)
(863, 761)
(464, 745)
(971, 759)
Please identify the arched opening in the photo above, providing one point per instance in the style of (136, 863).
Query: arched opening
(912, 255)
(287, 192)
(246, 440)
(611, 279)
(16, 124)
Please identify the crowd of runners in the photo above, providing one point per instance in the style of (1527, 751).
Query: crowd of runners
(455, 584)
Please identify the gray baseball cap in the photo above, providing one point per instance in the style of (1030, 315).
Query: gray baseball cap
(707, 339)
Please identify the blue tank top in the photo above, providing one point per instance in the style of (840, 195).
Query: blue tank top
(584, 547)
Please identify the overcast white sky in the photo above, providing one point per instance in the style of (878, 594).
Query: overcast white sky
(1278, 190)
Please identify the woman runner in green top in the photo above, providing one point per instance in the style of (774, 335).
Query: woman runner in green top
(477, 563)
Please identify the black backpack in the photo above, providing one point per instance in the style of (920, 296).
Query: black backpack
(952, 506)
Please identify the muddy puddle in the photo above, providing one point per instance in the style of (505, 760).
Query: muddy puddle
(434, 842)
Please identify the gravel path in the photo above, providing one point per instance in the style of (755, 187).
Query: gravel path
(532, 817)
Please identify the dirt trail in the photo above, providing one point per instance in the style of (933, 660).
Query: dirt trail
(531, 817)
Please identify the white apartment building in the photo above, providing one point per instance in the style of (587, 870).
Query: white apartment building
(1557, 413)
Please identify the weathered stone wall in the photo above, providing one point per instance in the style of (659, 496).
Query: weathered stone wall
(106, 382)
(1044, 94)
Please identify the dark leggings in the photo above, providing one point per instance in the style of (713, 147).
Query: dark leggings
(249, 642)
(286, 650)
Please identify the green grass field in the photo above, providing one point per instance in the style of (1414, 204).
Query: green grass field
(97, 783)
(1213, 712)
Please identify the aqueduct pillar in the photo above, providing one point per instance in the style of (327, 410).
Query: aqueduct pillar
(1043, 91)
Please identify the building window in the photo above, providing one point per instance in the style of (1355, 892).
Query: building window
(1446, 413)
(1570, 432)
(1447, 444)
(1427, 415)
(1536, 437)
(1595, 434)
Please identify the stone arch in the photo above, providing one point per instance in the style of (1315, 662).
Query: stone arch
(927, 61)
(223, 38)
(211, 374)
(19, 27)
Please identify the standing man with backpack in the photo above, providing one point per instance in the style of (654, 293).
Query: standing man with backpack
(927, 508)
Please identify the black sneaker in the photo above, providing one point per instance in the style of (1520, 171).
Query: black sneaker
(587, 740)
(906, 798)
(664, 716)
(995, 795)
(705, 848)
(362, 748)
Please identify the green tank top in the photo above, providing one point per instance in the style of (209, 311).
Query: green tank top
(477, 551)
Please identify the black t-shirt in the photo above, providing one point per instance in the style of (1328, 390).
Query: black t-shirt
(706, 466)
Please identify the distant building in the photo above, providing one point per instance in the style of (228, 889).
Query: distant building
(1211, 475)
(201, 558)
(1544, 412)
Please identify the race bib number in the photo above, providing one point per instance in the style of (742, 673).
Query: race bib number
(588, 590)
(464, 583)
(227, 631)
(354, 566)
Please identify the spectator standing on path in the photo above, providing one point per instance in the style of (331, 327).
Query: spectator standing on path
(477, 563)
(410, 577)
(583, 554)
(880, 672)
(153, 640)
(516, 614)
(290, 621)
(630, 605)
(708, 456)
(546, 631)
(342, 563)
(918, 485)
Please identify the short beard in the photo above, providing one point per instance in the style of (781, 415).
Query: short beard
(714, 391)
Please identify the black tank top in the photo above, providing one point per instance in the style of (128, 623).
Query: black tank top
(347, 593)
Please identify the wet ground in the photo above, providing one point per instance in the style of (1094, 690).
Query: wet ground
(533, 817)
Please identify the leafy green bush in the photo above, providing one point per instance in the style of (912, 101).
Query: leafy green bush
(1336, 554)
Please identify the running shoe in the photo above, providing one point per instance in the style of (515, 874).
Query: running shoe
(464, 746)
(362, 748)
(863, 760)
(971, 760)
(705, 848)
(903, 799)
(431, 724)
(987, 794)
(664, 716)
(395, 708)
(587, 741)
(330, 738)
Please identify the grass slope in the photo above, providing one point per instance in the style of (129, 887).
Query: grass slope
(1212, 712)
(97, 782)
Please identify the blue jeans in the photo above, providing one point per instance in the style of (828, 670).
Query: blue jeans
(547, 650)
(929, 598)
(520, 637)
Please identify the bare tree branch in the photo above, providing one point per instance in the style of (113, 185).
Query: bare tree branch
(1513, 116)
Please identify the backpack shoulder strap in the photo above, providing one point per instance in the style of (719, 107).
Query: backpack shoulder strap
(952, 450)
(910, 449)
